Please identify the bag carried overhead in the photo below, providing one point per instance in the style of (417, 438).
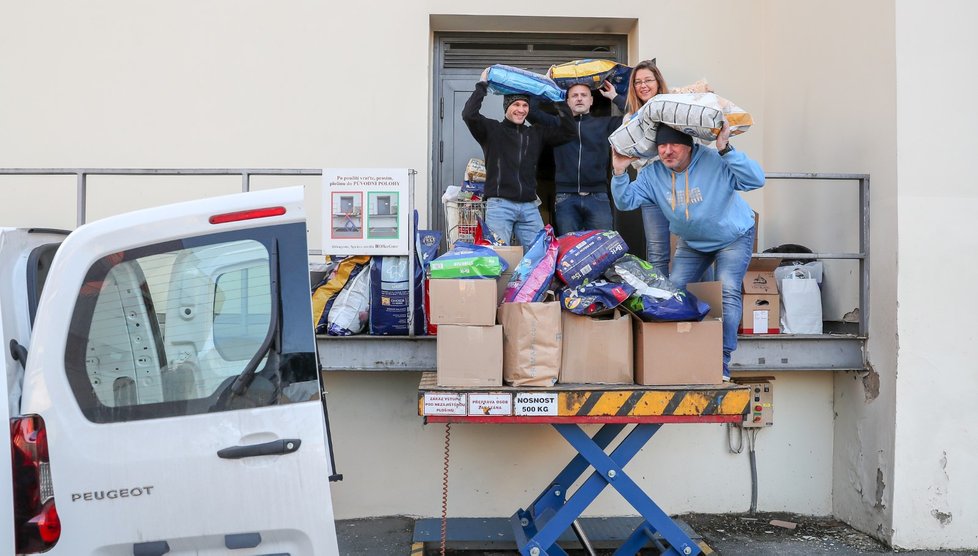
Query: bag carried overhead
(507, 80)
(588, 72)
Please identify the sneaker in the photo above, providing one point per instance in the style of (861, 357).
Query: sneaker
(726, 373)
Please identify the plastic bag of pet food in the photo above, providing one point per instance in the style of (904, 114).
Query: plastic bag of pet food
(342, 270)
(426, 245)
(466, 260)
(590, 72)
(583, 256)
(533, 275)
(389, 286)
(507, 80)
(484, 235)
(350, 311)
(655, 297)
(595, 297)
(636, 136)
(698, 114)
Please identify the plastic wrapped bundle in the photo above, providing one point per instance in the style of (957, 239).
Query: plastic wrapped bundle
(588, 72)
(636, 137)
(533, 275)
(655, 297)
(698, 114)
(595, 298)
(507, 80)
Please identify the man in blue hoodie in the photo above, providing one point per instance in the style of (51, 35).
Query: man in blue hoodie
(696, 188)
(581, 177)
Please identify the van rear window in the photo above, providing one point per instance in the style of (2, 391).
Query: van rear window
(185, 328)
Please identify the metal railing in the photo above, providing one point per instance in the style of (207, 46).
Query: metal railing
(862, 255)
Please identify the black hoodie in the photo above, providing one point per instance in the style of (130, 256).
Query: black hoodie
(512, 151)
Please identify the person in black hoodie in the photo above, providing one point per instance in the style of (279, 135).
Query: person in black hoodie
(512, 151)
(582, 165)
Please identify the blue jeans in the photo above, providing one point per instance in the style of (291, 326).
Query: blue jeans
(731, 266)
(656, 229)
(505, 217)
(583, 212)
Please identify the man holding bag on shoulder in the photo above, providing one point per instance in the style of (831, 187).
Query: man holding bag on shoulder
(512, 151)
(696, 188)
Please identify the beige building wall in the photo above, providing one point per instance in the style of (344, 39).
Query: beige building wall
(312, 85)
(935, 502)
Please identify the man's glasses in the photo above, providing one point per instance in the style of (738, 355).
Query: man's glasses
(647, 82)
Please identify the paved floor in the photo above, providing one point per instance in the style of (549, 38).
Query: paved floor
(726, 535)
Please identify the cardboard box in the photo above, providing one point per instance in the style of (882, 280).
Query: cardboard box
(463, 302)
(512, 254)
(760, 276)
(596, 351)
(682, 352)
(762, 314)
(501, 283)
(470, 355)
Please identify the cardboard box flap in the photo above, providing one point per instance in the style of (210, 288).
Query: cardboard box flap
(759, 277)
(710, 292)
(763, 265)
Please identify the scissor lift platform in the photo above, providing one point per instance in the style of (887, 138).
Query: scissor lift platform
(538, 528)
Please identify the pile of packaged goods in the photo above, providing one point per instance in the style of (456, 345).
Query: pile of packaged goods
(361, 294)
(575, 309)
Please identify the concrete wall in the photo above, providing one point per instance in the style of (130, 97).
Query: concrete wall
(935, 501)
(830, 107)
(305, 85)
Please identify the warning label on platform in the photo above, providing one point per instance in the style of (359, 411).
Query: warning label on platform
(532, 404)
(444, 403)
(490, 404)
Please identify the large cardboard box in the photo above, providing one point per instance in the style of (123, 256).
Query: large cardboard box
(762, 314)
(596, 351)
(760, 276)
(463, 302)
(682, 352)
(531, 343)
(512, 254)
(469, 355)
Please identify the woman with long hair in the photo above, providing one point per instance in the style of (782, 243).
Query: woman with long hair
(646, 82)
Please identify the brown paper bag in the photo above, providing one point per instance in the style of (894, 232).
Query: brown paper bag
(531, 343)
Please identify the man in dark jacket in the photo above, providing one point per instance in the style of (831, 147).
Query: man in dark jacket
(512, 151)
(582, 165)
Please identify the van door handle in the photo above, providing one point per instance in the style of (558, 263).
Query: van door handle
(275, 447)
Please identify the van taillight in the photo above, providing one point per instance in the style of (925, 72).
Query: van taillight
(36, 522)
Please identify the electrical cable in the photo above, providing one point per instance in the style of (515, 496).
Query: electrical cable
(444, 490)
(740, 444)
(751, 442)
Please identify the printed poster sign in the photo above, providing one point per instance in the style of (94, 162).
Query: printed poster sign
(366, 211)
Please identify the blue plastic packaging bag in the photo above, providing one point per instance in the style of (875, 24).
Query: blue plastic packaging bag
(655, 297)
(507, 80)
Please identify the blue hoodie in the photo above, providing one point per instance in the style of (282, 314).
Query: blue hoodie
(715, 215)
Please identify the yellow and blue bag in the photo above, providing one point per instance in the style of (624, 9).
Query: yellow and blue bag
(592, 73)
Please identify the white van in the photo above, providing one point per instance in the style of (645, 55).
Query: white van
(162, 384)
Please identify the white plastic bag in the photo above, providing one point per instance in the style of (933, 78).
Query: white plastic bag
(801, 305)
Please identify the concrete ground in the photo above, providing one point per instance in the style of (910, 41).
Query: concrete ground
(725, 535)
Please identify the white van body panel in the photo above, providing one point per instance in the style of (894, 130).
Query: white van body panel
(15, 248)
(140, 482)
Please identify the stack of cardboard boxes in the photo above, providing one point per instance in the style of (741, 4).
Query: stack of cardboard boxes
(762, 304)
(621, 349)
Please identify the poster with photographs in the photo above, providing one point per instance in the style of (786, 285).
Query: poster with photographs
(366, 211)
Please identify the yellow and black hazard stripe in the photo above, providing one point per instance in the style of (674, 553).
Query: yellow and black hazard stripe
(626, 403)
